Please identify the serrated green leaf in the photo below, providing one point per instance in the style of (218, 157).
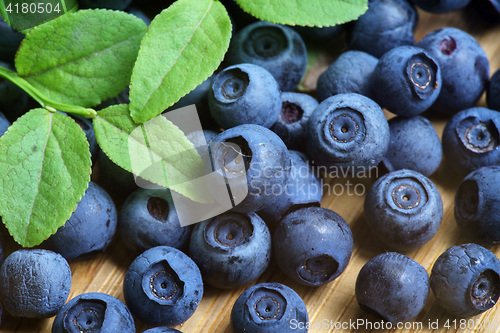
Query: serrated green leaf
(183, 46)
(157, 150)
(45, 169)
(81, 58)
(309, 13)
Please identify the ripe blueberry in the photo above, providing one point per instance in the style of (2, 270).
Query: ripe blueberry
(464, 68)
(471, 139)
(115, 177)
(94, 312)
(231, 249)
(291, 124)
(347, 131)
(350, 73)
(277, 48)
(312, 245)
(477, 205)
(404, 209)
(304, 189)
(261, 154)
(4, 124)
(466, 280)
(10, 41)
(392, 287)
(244, 94)
(414, 145)
(268, 308)
(406, 81)
(163, 286)
(148, 218)
(90, 229)
(34, 283)
(493, 92)
(13, 100)
(385, 25)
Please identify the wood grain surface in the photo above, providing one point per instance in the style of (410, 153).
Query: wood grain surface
(335, 301)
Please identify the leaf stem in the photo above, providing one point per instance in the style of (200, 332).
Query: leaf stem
(43, 100)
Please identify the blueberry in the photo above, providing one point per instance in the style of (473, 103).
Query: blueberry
(414, 145)
(477, 205)
(109, 4)
(263, 156)
(466, 280)
(347, 131)
(441, 6)
(115, 177)
(231, 249)
(291, 124)
(392, 287)
(34, 283)
(199, 97)
(277, 48)
(2, 253)
(4, 124)
(464, 68)
(304, 189)
(244, 94)
(94, 312)
(139, 14)
(10, 41)
(350, 73)
(404, 209)
(90, 228)
(13, 100)
(148, 218)
(406, 81)
(163, 286)
(493, 91)
(162, 330)
(88, 128)
(312, 245)
(385, 25)
(268, 308)
(471, 139)
(319, 35)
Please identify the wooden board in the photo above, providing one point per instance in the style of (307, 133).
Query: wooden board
(333, 302)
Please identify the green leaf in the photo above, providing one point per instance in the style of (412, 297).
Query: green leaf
(320, 13)
(81, 58)
(157, 150)
(183, 46)
(45, 169)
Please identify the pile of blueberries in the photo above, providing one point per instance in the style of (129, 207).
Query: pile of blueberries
(284, 142)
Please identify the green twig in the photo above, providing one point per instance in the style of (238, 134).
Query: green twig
(43, 100)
